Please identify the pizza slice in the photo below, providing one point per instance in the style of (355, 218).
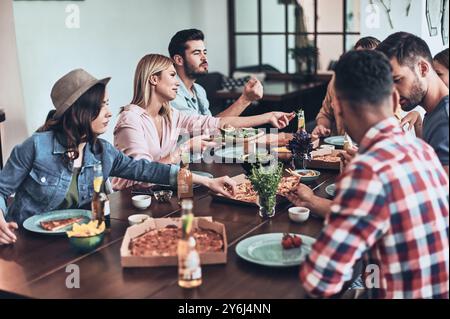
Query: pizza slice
(58, 224)
(287, 184)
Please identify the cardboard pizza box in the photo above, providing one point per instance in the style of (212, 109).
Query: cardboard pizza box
(210, 258)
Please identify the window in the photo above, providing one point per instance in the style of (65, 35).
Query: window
(292, 36)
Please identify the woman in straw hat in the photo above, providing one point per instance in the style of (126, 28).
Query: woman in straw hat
(149, 127)
(53, 169)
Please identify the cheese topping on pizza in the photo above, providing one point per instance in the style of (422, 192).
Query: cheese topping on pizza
(164, 242)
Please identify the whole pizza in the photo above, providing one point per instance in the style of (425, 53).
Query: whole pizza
(164, 242)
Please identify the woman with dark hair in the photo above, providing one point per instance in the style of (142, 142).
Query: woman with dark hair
(53, 169)
(440, 65)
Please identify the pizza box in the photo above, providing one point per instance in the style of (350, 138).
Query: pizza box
(211, 258)
(321, 164)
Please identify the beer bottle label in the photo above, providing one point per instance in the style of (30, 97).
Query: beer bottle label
(98, 181)
(106, 208)
(185, 157)
(192, 269)
(183, 188)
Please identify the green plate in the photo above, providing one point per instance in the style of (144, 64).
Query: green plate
(307, 179)
(335, 140)
(331, 190)
(33, 223)
(266, 250)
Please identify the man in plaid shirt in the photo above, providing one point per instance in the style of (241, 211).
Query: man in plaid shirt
(392, 202)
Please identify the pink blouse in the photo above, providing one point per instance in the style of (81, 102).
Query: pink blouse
(136, 135)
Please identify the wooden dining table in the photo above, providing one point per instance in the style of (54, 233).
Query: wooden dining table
(36, 266)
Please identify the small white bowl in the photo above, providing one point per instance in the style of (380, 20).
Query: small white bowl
(137, 219)
(141, 201)
(298, 214)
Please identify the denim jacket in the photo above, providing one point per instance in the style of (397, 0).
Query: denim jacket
(40, 179)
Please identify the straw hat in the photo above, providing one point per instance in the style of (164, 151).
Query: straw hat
(70, 87)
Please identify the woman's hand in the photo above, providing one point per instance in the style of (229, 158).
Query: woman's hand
(7, 235)
(280, 119)
(222, 185)
(200, 143)
(302, 196)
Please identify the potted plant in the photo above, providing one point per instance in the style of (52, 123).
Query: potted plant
(306, 57)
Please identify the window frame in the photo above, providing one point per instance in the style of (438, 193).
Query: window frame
(232, 33)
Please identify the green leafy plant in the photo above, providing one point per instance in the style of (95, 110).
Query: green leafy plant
(265, 181)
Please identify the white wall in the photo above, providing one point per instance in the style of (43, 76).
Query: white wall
(113, 36)
(211, 16)
(415, 23)
(11, 98)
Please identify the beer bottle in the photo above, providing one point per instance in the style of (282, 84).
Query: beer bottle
(189, 268)
(100, 201)
(184, 179)
(301, 120)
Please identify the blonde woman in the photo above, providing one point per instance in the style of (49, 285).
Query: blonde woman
(149, 127)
